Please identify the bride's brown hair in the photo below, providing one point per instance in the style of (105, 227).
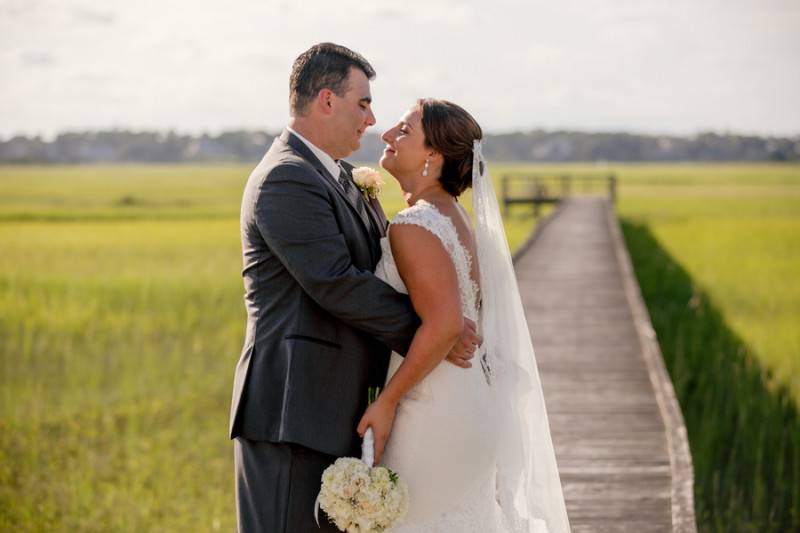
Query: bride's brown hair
(450, 130)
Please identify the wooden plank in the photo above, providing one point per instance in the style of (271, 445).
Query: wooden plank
(606, 421)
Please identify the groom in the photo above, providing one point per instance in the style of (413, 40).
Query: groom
(320, 325)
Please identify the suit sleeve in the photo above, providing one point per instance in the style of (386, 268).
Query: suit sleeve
(295, 217)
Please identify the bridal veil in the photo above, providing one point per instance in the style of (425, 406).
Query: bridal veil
(528, 483)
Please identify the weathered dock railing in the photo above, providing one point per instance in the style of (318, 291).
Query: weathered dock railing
(539, 189)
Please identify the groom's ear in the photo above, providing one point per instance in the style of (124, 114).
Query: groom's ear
(325, 101)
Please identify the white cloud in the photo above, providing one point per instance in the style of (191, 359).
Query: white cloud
(199, 65)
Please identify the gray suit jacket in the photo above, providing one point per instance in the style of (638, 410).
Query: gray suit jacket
(320, 325)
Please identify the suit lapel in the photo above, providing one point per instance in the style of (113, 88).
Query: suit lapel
(374, 214)
(380, 228)
(380, 216)
(301, 148)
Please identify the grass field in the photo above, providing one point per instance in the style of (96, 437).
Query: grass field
(121, 320)
(718, 259)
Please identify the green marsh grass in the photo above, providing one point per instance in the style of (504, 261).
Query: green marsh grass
(744, 433)
(121, 320)
(716, 250)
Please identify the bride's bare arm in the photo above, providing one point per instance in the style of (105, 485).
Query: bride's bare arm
(429, 274)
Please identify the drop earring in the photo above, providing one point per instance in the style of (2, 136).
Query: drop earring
(425, 168)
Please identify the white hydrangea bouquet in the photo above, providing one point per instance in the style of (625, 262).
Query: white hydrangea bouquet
(359, 497)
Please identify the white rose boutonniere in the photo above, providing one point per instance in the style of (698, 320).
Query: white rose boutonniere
(368, 180)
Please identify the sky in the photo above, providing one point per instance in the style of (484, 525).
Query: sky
(643, 66)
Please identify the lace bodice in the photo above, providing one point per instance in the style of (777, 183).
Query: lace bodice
(426, 215)
(445, 496)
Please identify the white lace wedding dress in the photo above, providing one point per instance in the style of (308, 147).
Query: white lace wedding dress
(444, 438)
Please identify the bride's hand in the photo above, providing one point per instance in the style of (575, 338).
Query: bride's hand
(380, 417)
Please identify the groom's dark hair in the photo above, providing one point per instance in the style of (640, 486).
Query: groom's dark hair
(324, 65)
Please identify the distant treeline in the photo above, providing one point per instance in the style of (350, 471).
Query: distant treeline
(120, 146)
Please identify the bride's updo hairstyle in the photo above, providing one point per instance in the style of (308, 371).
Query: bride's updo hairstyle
(450, 130)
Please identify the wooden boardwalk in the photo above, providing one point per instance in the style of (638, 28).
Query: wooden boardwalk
(620, 444)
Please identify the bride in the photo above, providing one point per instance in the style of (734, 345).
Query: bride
(473, 445)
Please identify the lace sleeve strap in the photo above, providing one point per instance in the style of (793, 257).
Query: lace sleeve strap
(425, 216)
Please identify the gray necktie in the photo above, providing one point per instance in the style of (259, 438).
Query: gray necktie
(354, 194)
(350, 190)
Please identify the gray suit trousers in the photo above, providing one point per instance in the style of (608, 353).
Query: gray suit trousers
(286, 478)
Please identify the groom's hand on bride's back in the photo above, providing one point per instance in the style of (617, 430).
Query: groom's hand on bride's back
(464, 348)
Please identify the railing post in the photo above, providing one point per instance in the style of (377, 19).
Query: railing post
(612, 188)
